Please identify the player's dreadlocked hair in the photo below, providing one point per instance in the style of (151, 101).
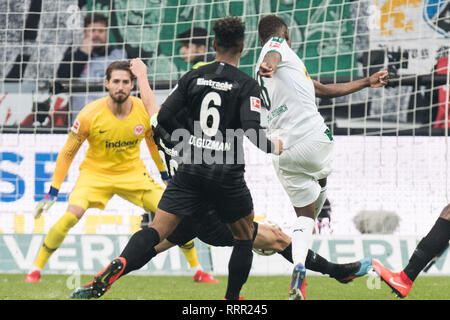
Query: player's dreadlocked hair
(229, 33)
(270, 26)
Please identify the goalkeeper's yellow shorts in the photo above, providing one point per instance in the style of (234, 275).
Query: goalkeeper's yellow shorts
(94, 189)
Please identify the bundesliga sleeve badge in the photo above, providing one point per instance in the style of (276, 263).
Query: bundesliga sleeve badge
(275, 43)
(255, 104)
(76, 126)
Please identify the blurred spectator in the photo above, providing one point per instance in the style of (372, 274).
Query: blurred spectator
(94, 55)
(89, 61)
(194, 47)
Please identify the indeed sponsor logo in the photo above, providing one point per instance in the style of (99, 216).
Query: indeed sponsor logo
(120, 144)
(223, 86)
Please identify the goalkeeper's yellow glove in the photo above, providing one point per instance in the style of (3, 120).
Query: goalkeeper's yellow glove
(46, 203)
(154, 120)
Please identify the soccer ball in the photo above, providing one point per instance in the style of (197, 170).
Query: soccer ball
(263, 252)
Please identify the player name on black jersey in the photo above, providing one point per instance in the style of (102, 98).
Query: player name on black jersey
(209, 144)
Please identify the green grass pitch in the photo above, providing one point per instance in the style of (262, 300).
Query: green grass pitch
(59, 287)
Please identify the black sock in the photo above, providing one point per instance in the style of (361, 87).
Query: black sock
(430, 246)
(316, 262)
(140, 249)
(287, 253)
(239, 267)
(313, 262)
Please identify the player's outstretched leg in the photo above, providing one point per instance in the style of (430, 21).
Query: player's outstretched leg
(272, 238)
(102, 281)
(189, 251)
(429, 247)
(350, 271)
(138, 251)
(342, 272)
(397, 281)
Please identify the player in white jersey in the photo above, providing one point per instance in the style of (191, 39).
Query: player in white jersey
(289, 95)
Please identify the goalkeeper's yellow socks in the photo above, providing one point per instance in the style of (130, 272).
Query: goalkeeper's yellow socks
(190, 253)
(54, 238)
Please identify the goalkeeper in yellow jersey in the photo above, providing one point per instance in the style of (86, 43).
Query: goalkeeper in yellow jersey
(114, 127)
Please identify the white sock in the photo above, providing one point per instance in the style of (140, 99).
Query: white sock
(196, 268)
(34, 268)
(302, 238)
(318, 205)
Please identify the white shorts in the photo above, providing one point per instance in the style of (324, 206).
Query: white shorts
(301, 166)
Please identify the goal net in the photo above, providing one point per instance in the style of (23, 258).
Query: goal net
(392, 151)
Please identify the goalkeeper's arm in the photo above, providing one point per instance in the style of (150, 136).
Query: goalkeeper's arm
(65, 158)
(154, 152)
(63, 162)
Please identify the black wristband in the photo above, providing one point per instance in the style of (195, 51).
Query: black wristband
(53, 191)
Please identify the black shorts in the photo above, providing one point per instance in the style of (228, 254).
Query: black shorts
(191, 195)
(210, 230)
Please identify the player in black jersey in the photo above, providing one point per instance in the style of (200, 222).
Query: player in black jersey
(210, 110)
(138, 252)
